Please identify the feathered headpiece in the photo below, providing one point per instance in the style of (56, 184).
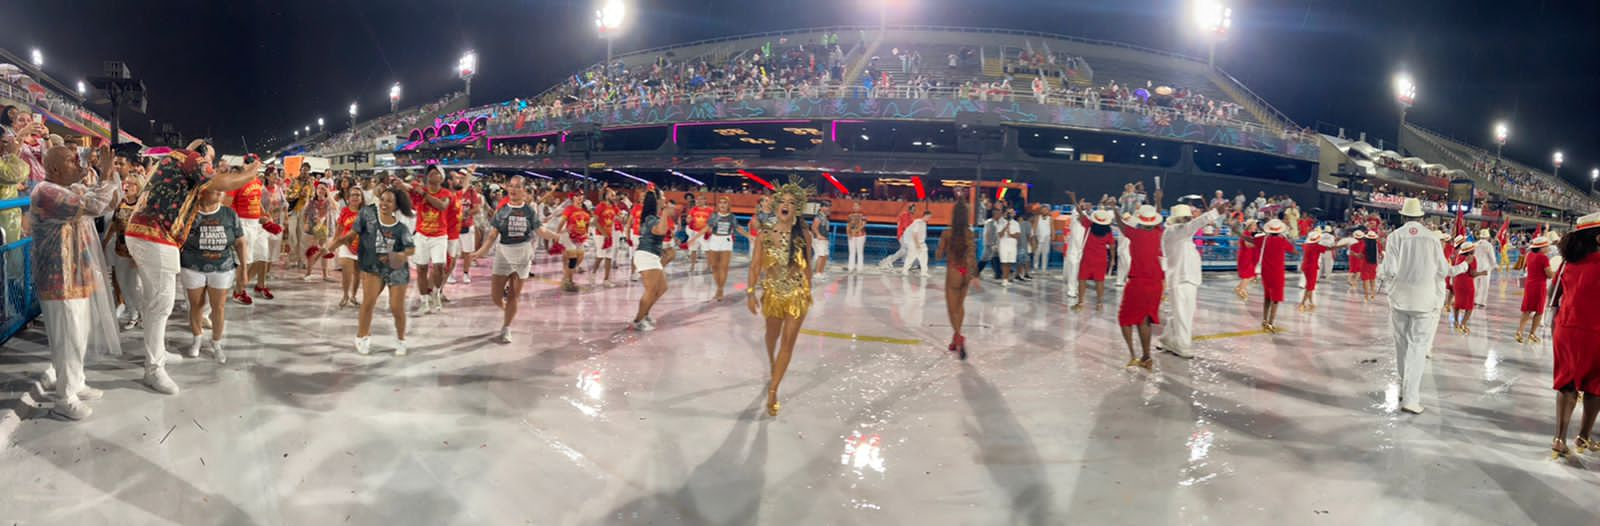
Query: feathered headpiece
(796, 190)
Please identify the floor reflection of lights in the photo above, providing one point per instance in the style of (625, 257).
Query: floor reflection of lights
(863, 453)
(590, 386)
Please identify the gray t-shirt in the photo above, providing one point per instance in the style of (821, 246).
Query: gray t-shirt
(648, 241)
(209, 247)
(1025, 243)
(515, 224)
(722, 224)
(377, 241)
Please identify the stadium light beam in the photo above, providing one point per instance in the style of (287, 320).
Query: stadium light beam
(1215, 19)
(697, 182)
(1501, 133)
(1405, 92)
(352, 116)
(38, 58)
(320, 123)
(608, 21)
(1557, 159)
(467, 68)
(394, 97)
(82, 90)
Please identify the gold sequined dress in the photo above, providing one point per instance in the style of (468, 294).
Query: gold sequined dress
(785, 291)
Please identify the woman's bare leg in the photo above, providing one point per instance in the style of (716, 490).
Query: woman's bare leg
(774, 330)
(512, 293)
(397, 307)
(196, 309)
(791, 332)
(218, 299)
(497, 291)
(372, 285)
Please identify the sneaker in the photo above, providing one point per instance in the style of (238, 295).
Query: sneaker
(650, 320)
(438, 304)
(89, 394)
(157, 380)
(643, 326)
(466, 279)
(242, 298)
(264, 293)
(1413, 408)
(47, 381)
(72, 409)
(451, 280)
(194, 348)
(308, 277)
(132, 323)
(505, 335)
(399, 347)
(421, 305)
(364, 346)
(1005, 283)
(216, 351)
(925, 274)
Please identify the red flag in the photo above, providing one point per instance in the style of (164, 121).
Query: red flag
(1505, 232)
(1461, 222)
(1539, 232)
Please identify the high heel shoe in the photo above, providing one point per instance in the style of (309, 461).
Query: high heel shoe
(1586, 445)
(961, 347)
(1132, 362)
(1533, 339)
(773, 406)
(1519, 338)
(1148, 364)
(1558, 449)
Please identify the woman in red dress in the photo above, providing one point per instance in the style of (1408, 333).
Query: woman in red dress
(1466, 268)
(1533, 288)
(1248, 254)
(1141, 296)
(1575, 336)
(1370, 253)
(1275, 250)
(1311, 266)
(1356, 257)
(1092, 267)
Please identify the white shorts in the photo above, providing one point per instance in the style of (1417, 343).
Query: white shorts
(194, 279)
(343, 252)
(513, 260)
(1008, 251)
(597, 245)
(274, 247)
(697, 241)
(257, 241)
(643, 261)
(468, 243)
(430, 250)
(719, 244)
(819, 248)
(452, 247)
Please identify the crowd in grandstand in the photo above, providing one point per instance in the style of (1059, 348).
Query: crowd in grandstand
(390, 125)
(1529, 184)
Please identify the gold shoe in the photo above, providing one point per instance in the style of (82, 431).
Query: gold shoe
(1558, 449)
(1534, 339)
(1077, 307)
(1149, 364)
(772, 410)
(1585, 445)
(1132, 362)
(1519, 338)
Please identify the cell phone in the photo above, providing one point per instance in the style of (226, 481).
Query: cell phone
(233, 160)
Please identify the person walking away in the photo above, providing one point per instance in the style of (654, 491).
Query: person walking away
(1141, 297)
(1414, 275)
(1095, 259)
(1249, 251)
(1463, 278)
(1575, 338)
(957, 250)
(1316, 246)
(1484, 253)
(917, 247)
(1534, 288)
(1183, 276)
(1275, 250)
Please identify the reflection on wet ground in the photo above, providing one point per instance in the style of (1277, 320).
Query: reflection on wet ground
(583, 422)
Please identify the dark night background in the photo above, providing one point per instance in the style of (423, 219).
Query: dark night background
(259, 69)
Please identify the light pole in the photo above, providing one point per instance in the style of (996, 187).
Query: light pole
(352, 116)
(320, 124)
(1594, 177)
(394, 98)
(1557, 159)
(608, 20)
(1501, 133)
(82, 90)
(466, 68)
(1215, 20)
(38, 59)
(1405, 92)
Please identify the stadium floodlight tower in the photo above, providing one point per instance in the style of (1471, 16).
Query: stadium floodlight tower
(1215, 19)
(82, 90)
(608, 21)
(352, 116)
(1405, 93)
(394, 98)
(38, 58)
(466, 68)
(1501, 133)
(320, 123)
(1557, 160)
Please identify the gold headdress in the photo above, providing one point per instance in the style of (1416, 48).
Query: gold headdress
(795, 189)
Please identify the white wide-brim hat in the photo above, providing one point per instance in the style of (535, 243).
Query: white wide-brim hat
(1539, 242)
(1588, 222)
(1102, 217)
(1276, 226)
(1412, 207)
(1180, 211)
(1148, 216)
(1314, 237)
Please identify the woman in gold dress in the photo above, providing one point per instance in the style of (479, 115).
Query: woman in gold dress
(780, 283)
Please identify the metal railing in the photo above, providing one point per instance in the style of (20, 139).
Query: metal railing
(18, 304)
(1444, 141)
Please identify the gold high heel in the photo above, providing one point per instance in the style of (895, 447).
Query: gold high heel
(1585, 445)
(1558, 449)
(1519, 337)
(1532, 338)
(1149, 364)
(1077, 307)
(1132, 362)
(772, 408)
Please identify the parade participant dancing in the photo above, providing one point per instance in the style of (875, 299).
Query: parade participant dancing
(1275, 250)
(1183, 276)
(1575, 338)
(1370, 254)
(68, 273)
(1095, 257)
(315, 218)
(1414, 273)
(513, 227)
(384, 247)
(780, 284)
(1483, 251)
(1141, 296)
(349, 282)
(125, 275)
(957, 250)
(902, 222)
(1316, 245)
(916, 237)
(653, 236)
(247, 204)
(466, 240)
(856, 232)
(607, 240)
(1246, 257)
(157, 228)
(573, 225)
(209, 259)
(699, 218)
(432, 242)
(1464, 276)
(719, 246)
(1073, 246)
(820, 242)
(1534, 288)
(275, 207)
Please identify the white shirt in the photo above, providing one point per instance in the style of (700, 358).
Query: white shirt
(1008, 228)
(1485, 254)
(916, 234)
(1414, 268)
(1177, 245)
(1041, 231)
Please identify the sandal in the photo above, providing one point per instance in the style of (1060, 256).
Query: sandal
(1558, 449)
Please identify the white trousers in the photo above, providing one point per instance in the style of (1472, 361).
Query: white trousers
(887, 262)
(1178, 330)
(158, 272)
(916, 256)
(858, 245)
(1124, 260)
(1041, 256)
(66, 325)
(1070, 270)
(1413, 340)
(1480, 285)
(128, 281)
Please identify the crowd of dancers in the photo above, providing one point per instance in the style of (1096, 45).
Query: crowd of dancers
(184, 220)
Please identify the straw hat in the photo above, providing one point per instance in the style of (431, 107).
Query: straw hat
(1276, 227)
(1539, 242)
(1372, 234)
(1148, 216)
(1314, 237)
(1180, 211)
(1102, 217)
(1458, 240)
(1468, 247)
(1412, 207)
(1588, 222)
(1483, 233)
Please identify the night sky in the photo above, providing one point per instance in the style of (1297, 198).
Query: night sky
(258, 69)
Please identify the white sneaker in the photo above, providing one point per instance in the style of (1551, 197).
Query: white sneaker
(89, 394)
(1413, 408)
(216, 351)
(643, 326)
(47, 381)
(505, 335)
(924, 274)
(194, 348)
(72, 409)
(451, 280)
(438, 303)
(158, 380)
(364, 346)
(399, 347)
(466, 279)
(308, 277)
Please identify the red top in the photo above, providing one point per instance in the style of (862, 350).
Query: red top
(699, 216)
(606, 215)
(1580, 295)
(1306, 223)
(1463, 281)
(433, 221)
(903, 221)
(1274, 253)
(1537, 266)
(1249, 252)
(469, 199)
(1145, 247)
(247, 200)
(577, 222)
(347, 219)
(452, 217)
(634, 214)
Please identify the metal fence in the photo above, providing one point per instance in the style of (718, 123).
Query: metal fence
(18, 305)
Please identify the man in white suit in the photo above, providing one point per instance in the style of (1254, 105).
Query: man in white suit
(1183, 276)
(1485, 255)
(1413, 272)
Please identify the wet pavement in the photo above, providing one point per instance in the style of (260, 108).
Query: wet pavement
(581, 421)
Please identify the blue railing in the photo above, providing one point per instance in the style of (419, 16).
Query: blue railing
(18, 305)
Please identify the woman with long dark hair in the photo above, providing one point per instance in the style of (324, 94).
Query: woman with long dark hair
(1575, 337)
(383, 253)
(653, 238)
(955, 247)
(1095, 259)
(780, 282)
(1370, 250)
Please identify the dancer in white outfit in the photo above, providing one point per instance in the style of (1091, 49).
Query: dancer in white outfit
(1124, 257)
(1077, 233)
(1183, 276)
(1413, 272)
(1485, 255)
(1041, 239)
(916, 242)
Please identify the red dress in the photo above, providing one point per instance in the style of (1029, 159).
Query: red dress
(1369, 269)
(1462, 283)
(1311, 264)
(1275, 250)
(1249, 251)
(1357, 255)
(1141, 296)
(1533, 287)
(1576, 338)
(1093, 265)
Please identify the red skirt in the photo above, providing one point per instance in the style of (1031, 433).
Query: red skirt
(1247, 262)
(1465, 290)
(1141, 300)
(1312, 268)
(1369, 271)
(1577, 358)
(1272, 281)
(1093, 268)
(1533, 298)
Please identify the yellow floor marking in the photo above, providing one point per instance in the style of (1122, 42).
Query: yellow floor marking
(860, 337)
(1220, 336)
